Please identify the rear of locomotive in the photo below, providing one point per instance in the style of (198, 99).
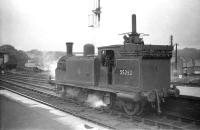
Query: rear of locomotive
(144, 71)
(147, 75)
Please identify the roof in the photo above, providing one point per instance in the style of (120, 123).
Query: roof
(111, 46)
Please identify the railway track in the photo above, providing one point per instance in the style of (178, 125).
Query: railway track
(111, 118)
(28, 78)
(190, 107)
(28, 84)
(28, 81)
(29, 74)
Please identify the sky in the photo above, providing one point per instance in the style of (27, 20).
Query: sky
(49, 24)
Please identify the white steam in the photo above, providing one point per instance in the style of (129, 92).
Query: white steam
(52, 68)
(95, 101)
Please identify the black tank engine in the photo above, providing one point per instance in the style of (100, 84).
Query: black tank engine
(131, 74)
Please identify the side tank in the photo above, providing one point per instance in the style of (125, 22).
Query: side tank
(78, 70)
(82, 70)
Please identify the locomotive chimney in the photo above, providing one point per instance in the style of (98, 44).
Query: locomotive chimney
(134, 24)
(69, 47)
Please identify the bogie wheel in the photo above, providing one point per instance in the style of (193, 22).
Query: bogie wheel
(131, 108)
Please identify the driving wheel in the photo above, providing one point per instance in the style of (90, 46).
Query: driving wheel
(131, 108)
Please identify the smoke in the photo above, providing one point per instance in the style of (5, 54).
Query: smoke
(52, 68)
(50, 59)
(95, 101)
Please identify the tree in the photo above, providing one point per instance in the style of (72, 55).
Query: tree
(15, 57)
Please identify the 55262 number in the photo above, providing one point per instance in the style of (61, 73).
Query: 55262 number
(126, 72)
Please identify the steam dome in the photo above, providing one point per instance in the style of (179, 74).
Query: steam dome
(88, 49)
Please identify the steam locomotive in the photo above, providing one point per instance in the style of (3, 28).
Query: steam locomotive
(129, 75)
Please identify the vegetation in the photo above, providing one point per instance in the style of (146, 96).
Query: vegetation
(16, 58)
(189, 53)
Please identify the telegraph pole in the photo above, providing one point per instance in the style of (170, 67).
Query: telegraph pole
(171, 40)
(96, 14)
(176, 56)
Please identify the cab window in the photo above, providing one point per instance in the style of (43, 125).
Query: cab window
(107, 57)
